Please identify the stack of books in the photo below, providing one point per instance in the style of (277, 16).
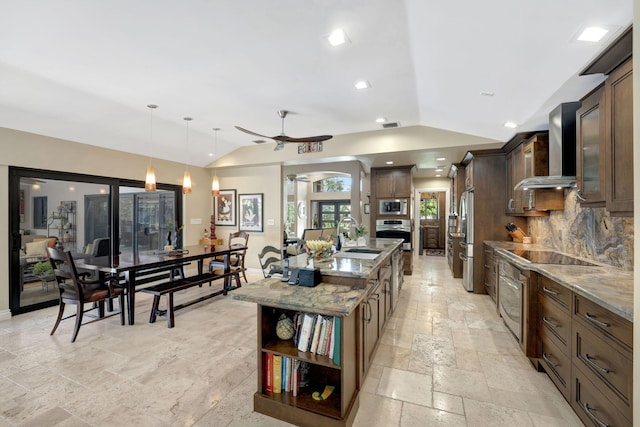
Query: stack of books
(282, 374)
(318, 334)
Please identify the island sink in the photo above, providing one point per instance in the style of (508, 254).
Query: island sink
(358, 253)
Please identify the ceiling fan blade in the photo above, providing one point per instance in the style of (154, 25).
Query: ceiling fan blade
(318, 138)
(251, 133)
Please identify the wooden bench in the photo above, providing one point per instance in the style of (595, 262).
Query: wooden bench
(168, 289)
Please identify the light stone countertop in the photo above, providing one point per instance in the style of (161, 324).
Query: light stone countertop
(326, 298)
(607, 286)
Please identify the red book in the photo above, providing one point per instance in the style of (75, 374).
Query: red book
(268, 371)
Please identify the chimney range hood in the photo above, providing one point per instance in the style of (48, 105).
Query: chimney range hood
(562, 150)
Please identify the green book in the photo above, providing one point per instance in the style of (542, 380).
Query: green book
(337, 336)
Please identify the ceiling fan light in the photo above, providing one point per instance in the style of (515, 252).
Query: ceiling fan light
(279, 146)
(150, 179)
(215, 186)
(186, 183)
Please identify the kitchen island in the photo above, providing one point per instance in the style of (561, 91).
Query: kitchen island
(355, 296)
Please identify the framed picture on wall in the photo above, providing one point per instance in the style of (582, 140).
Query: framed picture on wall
(224, 208)
(250, 211)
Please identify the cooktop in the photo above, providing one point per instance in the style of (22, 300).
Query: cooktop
(549, 257)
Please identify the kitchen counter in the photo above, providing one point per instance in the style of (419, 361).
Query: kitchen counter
(351, 267)
(603, 284)
(333, 297)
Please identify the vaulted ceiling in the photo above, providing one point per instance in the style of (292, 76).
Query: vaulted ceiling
(85, 70)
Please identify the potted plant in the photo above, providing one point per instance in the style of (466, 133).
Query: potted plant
(43, 270)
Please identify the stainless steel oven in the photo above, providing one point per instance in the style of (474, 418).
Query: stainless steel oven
(395, 229)
(511, 285)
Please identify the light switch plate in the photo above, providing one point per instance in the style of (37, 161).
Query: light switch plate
(271, 221)
(196, 221)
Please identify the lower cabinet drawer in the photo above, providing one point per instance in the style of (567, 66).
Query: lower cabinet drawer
(608, 368)
(555, 324)
(558, 367)
(601, 319)
(591, 406)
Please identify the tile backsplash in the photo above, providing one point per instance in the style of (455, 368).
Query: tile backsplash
(586, 232)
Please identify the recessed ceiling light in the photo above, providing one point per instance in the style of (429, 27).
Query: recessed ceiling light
(389, 162)
(438, 176)
(338, 37)
(592, 34)
(363, 84)
(441, 159)
(439, 170)
(210, 154)
(487, 93)
(510, 125)
(381, 119)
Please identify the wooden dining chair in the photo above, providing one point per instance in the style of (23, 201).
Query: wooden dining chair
(268, 257)
(237, 240)
(76, 288)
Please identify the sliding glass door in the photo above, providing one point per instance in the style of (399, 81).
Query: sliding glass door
(75, 212)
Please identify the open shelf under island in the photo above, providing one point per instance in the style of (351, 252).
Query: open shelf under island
(357, 295)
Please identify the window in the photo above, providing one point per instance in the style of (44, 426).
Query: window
(331, 212)
(429, 208)
(40, 212)
(332, 184)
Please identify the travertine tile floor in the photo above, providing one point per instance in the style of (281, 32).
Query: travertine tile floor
(445, 360)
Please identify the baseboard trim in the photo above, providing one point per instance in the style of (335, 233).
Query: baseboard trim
(5, 315)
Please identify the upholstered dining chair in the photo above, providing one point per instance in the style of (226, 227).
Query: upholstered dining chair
(237, 239)
(76, 288)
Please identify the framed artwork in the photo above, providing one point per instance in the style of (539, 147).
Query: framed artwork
(224, 208)
(250, 211)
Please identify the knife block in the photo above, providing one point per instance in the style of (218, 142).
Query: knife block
(517, 235)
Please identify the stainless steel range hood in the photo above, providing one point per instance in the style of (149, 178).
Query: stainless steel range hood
(562, 150)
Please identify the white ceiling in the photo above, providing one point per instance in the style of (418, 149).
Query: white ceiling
(84, 70)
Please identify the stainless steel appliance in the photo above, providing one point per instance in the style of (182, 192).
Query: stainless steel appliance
(395, 229)
(511, 284)
(466, 230)
(549, 257)
(392, 207)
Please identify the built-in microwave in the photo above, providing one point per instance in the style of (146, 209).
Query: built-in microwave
(392, 207)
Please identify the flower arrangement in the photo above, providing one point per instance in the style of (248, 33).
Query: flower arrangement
(319, 249)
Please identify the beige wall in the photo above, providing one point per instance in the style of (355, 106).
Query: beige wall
(39, 152)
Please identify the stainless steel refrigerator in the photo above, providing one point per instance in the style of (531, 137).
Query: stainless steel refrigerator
(466, 229)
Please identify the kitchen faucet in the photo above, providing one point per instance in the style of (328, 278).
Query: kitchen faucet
(346, 219)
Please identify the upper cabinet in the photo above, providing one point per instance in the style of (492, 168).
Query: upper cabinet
(605, 132)
(528, 159)
(392, 182)
(590, 150)
(618, 92)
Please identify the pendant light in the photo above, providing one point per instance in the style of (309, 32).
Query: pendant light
(215, 184)
(186, 181)
(150, 179)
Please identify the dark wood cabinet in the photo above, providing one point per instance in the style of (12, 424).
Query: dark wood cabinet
(453, 255)
(587, 352)
(392, 182)
(618, 94)
(491, 273)
(590, 149)
(529, 159)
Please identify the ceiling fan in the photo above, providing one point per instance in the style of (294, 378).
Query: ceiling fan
(293, 177)
(282, 138)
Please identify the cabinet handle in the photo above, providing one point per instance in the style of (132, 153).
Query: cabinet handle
(590, 414)
(547, 358)
(590, 360)
(370, 313)
(512, 204)
(579, 196)
(593, 319)
(549, 291)
(546, 320)
(376, 296)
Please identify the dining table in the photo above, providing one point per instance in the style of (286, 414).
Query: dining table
(137, 264)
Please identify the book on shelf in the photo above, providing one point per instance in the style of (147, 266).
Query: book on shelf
(306, 332)
(268, 371)
(316, 334)
(326, 335)
(277, 373)
(295, 382)
(337, 322)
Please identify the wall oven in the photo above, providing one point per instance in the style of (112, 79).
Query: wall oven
(395, 229)
(392, 207)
